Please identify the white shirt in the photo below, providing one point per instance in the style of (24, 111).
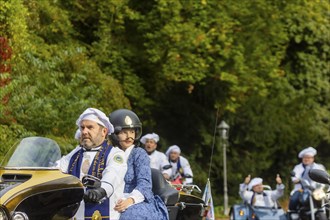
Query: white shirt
(158, 160)
(112, 177)
(299, 169)
(267, 198)
(186, 169)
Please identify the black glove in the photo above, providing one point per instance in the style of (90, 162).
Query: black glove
(94, 195)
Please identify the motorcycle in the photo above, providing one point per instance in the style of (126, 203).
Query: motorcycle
(311, 202)
(179, 179)
(32, 188)
(323, 177)
(179, 199)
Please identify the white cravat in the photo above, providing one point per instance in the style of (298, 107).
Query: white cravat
(87, 160)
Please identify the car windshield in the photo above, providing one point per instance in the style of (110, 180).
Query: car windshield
(32, 153)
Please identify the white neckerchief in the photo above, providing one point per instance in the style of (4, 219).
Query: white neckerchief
(128, 151)
(88, 158)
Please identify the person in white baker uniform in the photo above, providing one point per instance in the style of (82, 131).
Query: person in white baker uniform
(158, 160)
(301, 171)
(253, 192)
(94, 156)
(180, 165)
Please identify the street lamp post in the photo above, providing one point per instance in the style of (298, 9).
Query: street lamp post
(224, 133)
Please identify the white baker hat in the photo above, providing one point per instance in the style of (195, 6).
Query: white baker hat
(255, 181)
(97, 116)
(309, 151)
(173, 148)
(152, 136)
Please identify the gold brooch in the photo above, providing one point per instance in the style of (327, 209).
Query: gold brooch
(97, 215)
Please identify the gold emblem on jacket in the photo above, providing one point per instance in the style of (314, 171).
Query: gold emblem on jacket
(97, 215)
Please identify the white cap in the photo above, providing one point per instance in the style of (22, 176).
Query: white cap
(255, 181)
(77, 135)
(173, 148)
(93, 114)
(309, 151)
(152, 136)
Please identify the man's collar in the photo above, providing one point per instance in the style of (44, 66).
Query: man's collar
(92, 149)
(149, 153)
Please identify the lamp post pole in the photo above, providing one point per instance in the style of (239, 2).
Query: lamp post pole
(224, 128)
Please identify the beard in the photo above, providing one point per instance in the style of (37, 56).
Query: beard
(89, 142)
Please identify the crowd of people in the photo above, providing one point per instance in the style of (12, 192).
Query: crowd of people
(109, 150)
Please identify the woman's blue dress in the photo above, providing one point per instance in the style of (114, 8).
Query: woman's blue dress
(138, 177)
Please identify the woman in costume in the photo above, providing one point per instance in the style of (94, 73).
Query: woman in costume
(138, 202)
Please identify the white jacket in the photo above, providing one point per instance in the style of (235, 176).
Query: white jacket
(158, 160)
(299, 169)
(267, 198)
(186, 169)
(112, 178)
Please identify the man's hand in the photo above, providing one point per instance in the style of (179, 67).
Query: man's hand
(94, 195)
(278, 179)
(247, 179)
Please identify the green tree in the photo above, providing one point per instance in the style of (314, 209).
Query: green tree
(53, 79)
